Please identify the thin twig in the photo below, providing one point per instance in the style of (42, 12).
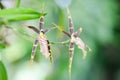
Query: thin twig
(63, 42)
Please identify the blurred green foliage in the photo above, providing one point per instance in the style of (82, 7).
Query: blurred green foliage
(101, 29)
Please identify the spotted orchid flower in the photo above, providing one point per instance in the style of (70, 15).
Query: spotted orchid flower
(74, 39)
(41, 40)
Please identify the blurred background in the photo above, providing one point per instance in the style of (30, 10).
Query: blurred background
(100, 21)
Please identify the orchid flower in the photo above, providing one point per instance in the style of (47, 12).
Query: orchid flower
(41, 40)
(74, 39)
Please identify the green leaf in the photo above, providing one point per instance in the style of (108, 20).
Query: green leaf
(16, 14)
(3, 73)
(2, 46)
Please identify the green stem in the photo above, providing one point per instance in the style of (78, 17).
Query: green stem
(64, 42)
(18, 3)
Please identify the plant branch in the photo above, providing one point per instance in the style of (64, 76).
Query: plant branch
(63, 42)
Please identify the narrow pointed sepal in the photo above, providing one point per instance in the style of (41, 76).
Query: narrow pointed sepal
(49, 29)
(34, 29)
(77, 33)
(34, 50)
(66, 33)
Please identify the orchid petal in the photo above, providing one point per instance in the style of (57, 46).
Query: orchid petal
(43, 46)
(81, 45)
